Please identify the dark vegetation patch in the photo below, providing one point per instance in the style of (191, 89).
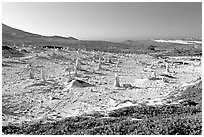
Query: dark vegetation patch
(184, 52)
(152, 47)
(53, 47)
(6, 65)
(8, 51)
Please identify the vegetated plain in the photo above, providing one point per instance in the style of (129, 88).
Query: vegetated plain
(172, 107)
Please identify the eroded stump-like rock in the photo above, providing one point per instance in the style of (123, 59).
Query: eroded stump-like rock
(116, 81)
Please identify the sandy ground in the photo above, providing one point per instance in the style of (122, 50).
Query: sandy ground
(25, 99)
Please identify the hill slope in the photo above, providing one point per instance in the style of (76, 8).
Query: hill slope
(9, 34)
(19, 37)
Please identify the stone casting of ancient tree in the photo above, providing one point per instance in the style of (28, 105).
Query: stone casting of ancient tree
(93, 53)
(29, 68)
(43, 75)
(116, 81)
(164, 79)
(153, 75)
(53, 54)
(93, 56)
(75, 71)
(77, 52)
(99, 64)
(93, 59)
(167, 67)
(152, 65)
(31, 74)
(77, 64)
(109, 60)
(118, 62)
(70, 78)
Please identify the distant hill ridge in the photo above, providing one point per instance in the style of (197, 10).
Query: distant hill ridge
(60, 37)
(10, 33)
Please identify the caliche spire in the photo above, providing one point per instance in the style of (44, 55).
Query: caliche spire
(167, 67)
(70, 78)
(153, 75)
(31, 75)
(75, 72)
(43, 75)
(99, 64)
(77, 64)
(116, 82)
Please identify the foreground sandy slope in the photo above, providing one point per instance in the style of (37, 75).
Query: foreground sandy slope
(25, 99)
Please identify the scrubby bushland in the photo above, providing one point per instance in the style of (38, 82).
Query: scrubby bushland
(8, 51)
(183, 125)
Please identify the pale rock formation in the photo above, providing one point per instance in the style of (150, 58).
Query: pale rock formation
(112, 102)
(77, 51)
(118, 62)
(153, 75)
(167, 68)
(151, 67)
(77, 84)
(70, 78)
(109, 60)
(43, 75)
(99, 65)
(164, 79)
(116, 81)
(93, 59)
(54, 54)
(75, 72)
(196, 83)
(31, 74)
(77, 65)
(28, 66)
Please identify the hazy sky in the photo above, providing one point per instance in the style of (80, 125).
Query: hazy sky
(106, 21)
